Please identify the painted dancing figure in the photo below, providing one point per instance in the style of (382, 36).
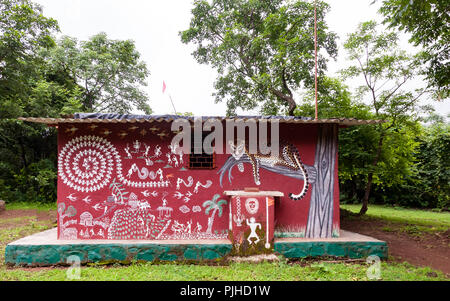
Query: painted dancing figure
(253, 225)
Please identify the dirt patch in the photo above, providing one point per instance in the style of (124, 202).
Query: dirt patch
(18, 217)
(420, 249)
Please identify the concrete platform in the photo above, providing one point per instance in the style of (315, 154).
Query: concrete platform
(43, 249)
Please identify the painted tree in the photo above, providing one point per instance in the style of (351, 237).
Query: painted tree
(263, 50)
(64, 212)
(385, 71)
(110, 72)
(215, 206)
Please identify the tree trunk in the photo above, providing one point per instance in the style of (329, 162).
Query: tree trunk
(365, 200)
(22, 152)
(211, 222)
(320, 217)
(288, 99)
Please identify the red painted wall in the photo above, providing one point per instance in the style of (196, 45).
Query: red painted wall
(99, 199)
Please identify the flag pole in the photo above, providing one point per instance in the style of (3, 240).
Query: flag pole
(315, 50)
(170, 97)
(173, 105)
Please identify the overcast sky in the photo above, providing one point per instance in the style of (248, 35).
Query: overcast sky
(154, 26)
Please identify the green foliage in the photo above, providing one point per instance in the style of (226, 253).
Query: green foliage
(433, 167)
(42, 78)
(37, 182)
(23, 30)
(411, 170)
(428, 23)
(262, 50)
(110, 72)
(385, 70)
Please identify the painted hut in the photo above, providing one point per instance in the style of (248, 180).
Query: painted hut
(109, 163)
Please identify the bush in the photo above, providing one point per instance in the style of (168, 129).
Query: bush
(36, 183)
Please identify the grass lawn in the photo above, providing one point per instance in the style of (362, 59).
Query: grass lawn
(31, 206)
(236, 271)
(422, 220)
(321, 269)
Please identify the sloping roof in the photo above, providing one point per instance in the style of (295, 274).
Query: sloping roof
(129, 118)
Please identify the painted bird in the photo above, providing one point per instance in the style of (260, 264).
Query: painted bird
(147, 194)
(143, 132)
(72, 198)
(122, 134)
(162, 135)
(106, 132)
(87, 200)
(97, 207)
(72, 130)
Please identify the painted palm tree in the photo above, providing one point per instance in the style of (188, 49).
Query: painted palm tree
(215, 206)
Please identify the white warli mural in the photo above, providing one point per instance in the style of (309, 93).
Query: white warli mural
(86, 163)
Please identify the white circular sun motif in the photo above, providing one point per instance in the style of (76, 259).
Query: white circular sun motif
(86, 163)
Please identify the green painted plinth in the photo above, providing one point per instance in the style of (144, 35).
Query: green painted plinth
(350, 249)
(43, 249)
(41, 255)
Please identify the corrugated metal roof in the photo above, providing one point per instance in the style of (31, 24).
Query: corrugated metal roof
(128, 118)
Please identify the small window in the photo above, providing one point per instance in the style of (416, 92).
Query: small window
(203, 160)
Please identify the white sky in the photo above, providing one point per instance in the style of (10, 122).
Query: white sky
(154, 26)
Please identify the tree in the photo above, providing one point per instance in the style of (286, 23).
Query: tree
(433, 166)
(263, 50)
(23, 30)
(214, 206)
(385, 71)
(428, 22)
(109, 72)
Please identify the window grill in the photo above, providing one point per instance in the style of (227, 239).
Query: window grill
(203, 160)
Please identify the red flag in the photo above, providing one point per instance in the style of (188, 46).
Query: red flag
(164, 86)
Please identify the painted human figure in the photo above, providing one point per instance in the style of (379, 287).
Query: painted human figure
(253, 225)
(198, 228)
(147, 150)
(127, 150)
(137, 146)
(158, 151)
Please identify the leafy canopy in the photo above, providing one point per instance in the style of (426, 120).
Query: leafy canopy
(263, 50)
(428, 22)
(110, 72)
(23, 30)
(385, 70)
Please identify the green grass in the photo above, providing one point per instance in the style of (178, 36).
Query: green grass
(237, 271)
(31, 205)
(284, 270)
(417, 220)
